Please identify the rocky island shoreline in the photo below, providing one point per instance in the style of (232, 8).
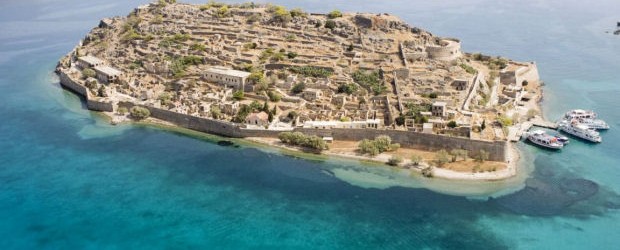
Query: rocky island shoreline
(345, 81)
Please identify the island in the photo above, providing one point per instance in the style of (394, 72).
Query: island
(356, 85)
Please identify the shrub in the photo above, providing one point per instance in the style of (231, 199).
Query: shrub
(223, 12)
(311, 71)
(139, 113)
(300, 139)
(348, 88)
(370, 81)
(86, 73)
(291, 55)
(216, 113)
(297, 12)
(330, 24)
(238, 95)
(442, 157)
(504, 121)
(432, 95)
(482, 155)
(451, 124)
(274, 96)
(456, 153)
(416, 159)
(379, 145)
(198, 47)
(334, 14)
(256, 76)
(298, 88)
(469, 69)
(122, 110)
(395, 161)
(280, 14)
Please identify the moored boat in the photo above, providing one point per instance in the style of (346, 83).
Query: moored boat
(541, 138)
(593, 123)
(579, 114)
(580, 130)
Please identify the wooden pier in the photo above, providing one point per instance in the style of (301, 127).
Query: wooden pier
(515, 133)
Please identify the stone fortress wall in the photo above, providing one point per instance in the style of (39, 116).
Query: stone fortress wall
(91, 104)
(497, 149)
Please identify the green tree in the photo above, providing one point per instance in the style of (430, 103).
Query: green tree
(216, 113)
(139, 113)
(368, 147)
(265, 107)
(400, 120)
(442, 157)
(482, 156)
(102, 92)
(484, 125)
(451, 124)
(456, 153)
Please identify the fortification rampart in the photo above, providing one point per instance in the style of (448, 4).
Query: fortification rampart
(91, 104)
(496, 149)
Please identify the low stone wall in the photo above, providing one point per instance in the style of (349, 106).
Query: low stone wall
(200, 124)
(411, 139)
(99, 106)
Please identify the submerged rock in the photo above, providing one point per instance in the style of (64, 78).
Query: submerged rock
(226, 143)
(540, 198)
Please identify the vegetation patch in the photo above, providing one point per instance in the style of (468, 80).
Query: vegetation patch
(311, 71)
(302, 140)
(370, 80)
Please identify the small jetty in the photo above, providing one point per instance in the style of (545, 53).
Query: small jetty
(515, 135)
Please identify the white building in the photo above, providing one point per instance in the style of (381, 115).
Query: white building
(439, 109)
(89, 62)
(107, 74)
(371, 123)
(228, 77)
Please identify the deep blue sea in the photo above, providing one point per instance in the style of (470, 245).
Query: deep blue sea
(68, 180)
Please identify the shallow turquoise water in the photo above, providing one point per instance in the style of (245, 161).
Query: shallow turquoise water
(70, 181)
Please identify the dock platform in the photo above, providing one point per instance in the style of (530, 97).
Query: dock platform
(516, 132)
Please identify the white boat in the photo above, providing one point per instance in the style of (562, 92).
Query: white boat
(579, 114)
(593, 123)
(541, 138)
(580, 131)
